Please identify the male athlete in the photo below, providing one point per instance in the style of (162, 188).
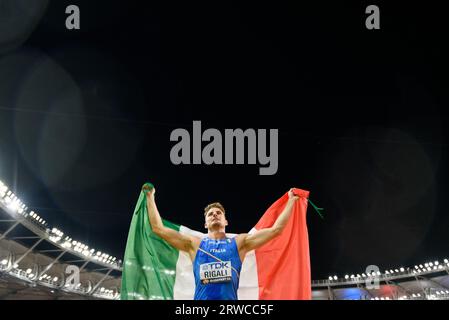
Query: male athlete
(217, 259)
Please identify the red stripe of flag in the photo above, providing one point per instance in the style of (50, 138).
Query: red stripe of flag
(283, 264)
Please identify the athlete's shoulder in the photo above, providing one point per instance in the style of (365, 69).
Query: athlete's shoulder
(240, 239)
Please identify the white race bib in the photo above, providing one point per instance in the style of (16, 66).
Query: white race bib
(215, 272)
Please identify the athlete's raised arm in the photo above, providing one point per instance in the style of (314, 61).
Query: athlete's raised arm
(180, 241)
(248, 242)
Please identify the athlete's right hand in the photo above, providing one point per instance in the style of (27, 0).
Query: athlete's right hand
(149, 191)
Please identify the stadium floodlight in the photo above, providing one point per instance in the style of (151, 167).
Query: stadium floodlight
(446, 261)
(358, 276)
(430, 264)
(421, 266)
(436, 263)
(7, 200)
(387, 272)
(346, 276)
(55, 279)
(378, 273)
(330, 278)
(352, 276)
(4, 262)
(429, 269)
(402, 269)
(414, 295)
(13, 205)
(396, 270)
(419, 294)
(335, 277)
(28, 271)
(426, 265)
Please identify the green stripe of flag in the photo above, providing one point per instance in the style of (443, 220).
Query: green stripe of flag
(149, 267)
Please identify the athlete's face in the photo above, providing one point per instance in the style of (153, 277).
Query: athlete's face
(215, 218)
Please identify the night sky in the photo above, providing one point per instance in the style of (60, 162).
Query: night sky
(86, 117)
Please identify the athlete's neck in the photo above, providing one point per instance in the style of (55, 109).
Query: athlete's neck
(216, 234)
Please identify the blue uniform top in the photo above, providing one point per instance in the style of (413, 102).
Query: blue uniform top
(217, 272)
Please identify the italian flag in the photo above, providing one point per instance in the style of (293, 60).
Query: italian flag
(279, 270)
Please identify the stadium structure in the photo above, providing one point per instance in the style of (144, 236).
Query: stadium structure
(38, 261)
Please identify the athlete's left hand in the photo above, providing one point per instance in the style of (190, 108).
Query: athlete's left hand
(292, 195)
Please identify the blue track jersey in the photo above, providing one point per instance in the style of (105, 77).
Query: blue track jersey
(217, 279)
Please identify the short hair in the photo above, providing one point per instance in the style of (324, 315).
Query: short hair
(214, 205)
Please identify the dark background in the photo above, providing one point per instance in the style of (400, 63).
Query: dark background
(86, 116)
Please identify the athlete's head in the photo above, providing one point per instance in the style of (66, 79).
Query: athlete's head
(214, 216)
